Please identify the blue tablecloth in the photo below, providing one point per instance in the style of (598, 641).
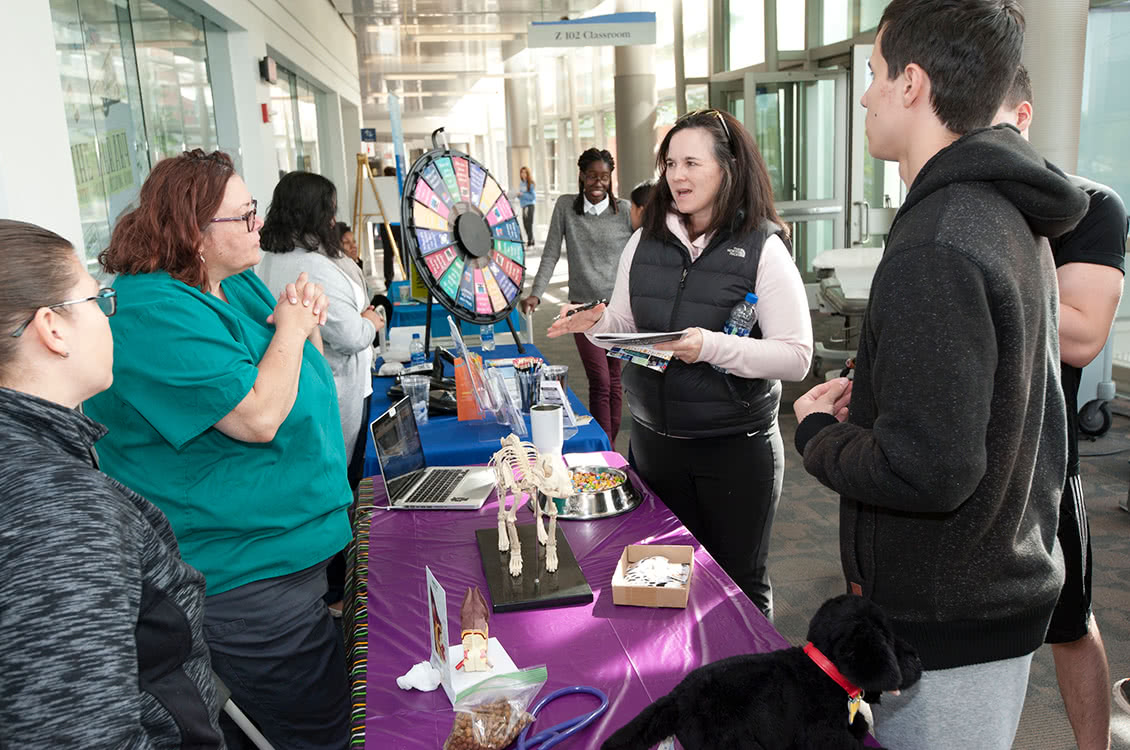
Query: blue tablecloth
(449, 442)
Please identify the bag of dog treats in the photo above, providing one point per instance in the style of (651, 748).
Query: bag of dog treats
(491, 715)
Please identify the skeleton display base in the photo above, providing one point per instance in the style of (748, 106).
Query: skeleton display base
(535, 588)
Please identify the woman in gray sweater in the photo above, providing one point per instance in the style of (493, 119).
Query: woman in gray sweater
(596, 225)
(300, 234)
(101, 642)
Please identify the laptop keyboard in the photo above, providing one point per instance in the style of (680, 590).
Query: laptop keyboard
(437, 487)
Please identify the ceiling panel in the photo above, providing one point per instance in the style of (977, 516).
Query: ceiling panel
(435, 51)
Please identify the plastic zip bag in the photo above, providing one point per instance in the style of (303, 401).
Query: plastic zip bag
(491, 714)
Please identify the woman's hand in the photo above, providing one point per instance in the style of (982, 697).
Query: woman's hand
(687, 347)
(576, 323)
(302, 306)
(374, 316)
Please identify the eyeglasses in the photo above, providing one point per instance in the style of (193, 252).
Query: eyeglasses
(714, 112)
(106, 298)
(248, 217)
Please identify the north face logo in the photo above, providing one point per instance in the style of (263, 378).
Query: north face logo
(737, 252)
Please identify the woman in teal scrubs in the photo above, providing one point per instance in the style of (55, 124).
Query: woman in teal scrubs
(224, 413)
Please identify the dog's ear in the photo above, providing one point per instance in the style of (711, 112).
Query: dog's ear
(867, 655)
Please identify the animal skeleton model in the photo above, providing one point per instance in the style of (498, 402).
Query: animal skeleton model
(518, 468)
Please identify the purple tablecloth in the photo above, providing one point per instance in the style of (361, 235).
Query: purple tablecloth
(634, 654)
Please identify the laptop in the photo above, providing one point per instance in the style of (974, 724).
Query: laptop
(413, 485)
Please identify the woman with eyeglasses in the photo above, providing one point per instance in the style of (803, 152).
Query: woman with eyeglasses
(596, 225)
(224, 413)
(705, 433)
(100, 633)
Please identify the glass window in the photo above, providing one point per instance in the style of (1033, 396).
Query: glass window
(746, 34)
(697, 95)
(790, 25)
(696, 40)
(102, 103)
(810, 238)
(582, 71)
(306, 100)
(607, 75)
(176, 94)
(835, 21)
(562, 73)
(547, 82)
(869, 14)
(294, 122)
(735, 105)
(282, 122)
(549, 135)
(1104, 155)
(770, 107)
(587, 132)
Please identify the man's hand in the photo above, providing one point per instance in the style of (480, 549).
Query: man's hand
(832, 397)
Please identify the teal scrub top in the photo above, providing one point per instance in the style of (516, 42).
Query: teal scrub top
(184, 359)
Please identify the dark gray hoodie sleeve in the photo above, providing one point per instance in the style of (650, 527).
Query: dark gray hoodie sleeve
(69, 594)
(932, 384)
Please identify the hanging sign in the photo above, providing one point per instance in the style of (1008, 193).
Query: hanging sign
(617, 29)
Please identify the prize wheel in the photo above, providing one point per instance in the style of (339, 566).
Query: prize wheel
(461, 233)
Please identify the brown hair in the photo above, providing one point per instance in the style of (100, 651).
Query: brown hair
(745, 196)
(164, 233)
(38, 268)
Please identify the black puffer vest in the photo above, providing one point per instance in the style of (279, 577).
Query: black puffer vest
(669, 293)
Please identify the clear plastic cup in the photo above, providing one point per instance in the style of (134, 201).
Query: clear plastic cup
(416, 387)
(560, 373)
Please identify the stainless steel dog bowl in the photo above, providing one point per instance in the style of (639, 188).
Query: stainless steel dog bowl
(584, 506)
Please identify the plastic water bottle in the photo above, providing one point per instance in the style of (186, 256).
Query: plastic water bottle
(742, 319)
(486, 338)
(416, 349)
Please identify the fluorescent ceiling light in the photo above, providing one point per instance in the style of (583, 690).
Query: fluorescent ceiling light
(487, 36)
(419, 76)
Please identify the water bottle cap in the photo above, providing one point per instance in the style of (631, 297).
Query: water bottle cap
(751, 298)
(415, 335)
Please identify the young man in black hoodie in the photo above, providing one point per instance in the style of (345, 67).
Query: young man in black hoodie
(1090, 261)
(950, 458)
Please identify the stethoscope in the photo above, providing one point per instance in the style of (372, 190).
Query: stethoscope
(558, 733)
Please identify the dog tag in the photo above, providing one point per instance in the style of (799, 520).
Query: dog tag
(667, 744)
(853, 708)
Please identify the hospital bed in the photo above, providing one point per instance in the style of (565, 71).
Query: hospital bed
(842, 288)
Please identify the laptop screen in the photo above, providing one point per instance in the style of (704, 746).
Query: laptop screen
(397, 443)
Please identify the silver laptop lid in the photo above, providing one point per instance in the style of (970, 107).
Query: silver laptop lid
(396, 441)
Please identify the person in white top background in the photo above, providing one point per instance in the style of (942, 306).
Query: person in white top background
(705, 436)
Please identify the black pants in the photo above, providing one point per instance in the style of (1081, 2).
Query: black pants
(276, 648)
(725, 490)
(528, 220)
(386, 251)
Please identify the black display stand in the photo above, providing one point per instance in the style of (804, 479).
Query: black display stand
(535, 588)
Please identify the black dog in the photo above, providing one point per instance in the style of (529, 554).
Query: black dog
(782, 699)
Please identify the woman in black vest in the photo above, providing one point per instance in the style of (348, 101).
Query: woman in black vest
(705, 435)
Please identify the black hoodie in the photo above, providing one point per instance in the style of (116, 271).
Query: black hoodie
(952, 461)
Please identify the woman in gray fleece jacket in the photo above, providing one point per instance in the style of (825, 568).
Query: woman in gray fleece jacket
(300, 234)
(101, 642)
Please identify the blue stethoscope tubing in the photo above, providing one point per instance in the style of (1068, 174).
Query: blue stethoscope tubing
(558, 733)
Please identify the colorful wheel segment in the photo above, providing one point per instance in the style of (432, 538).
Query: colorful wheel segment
(463, 236)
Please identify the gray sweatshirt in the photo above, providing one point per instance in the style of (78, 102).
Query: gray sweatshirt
(595, 244)
(101, 643)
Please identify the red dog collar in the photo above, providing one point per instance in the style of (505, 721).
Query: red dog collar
(830, 670)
